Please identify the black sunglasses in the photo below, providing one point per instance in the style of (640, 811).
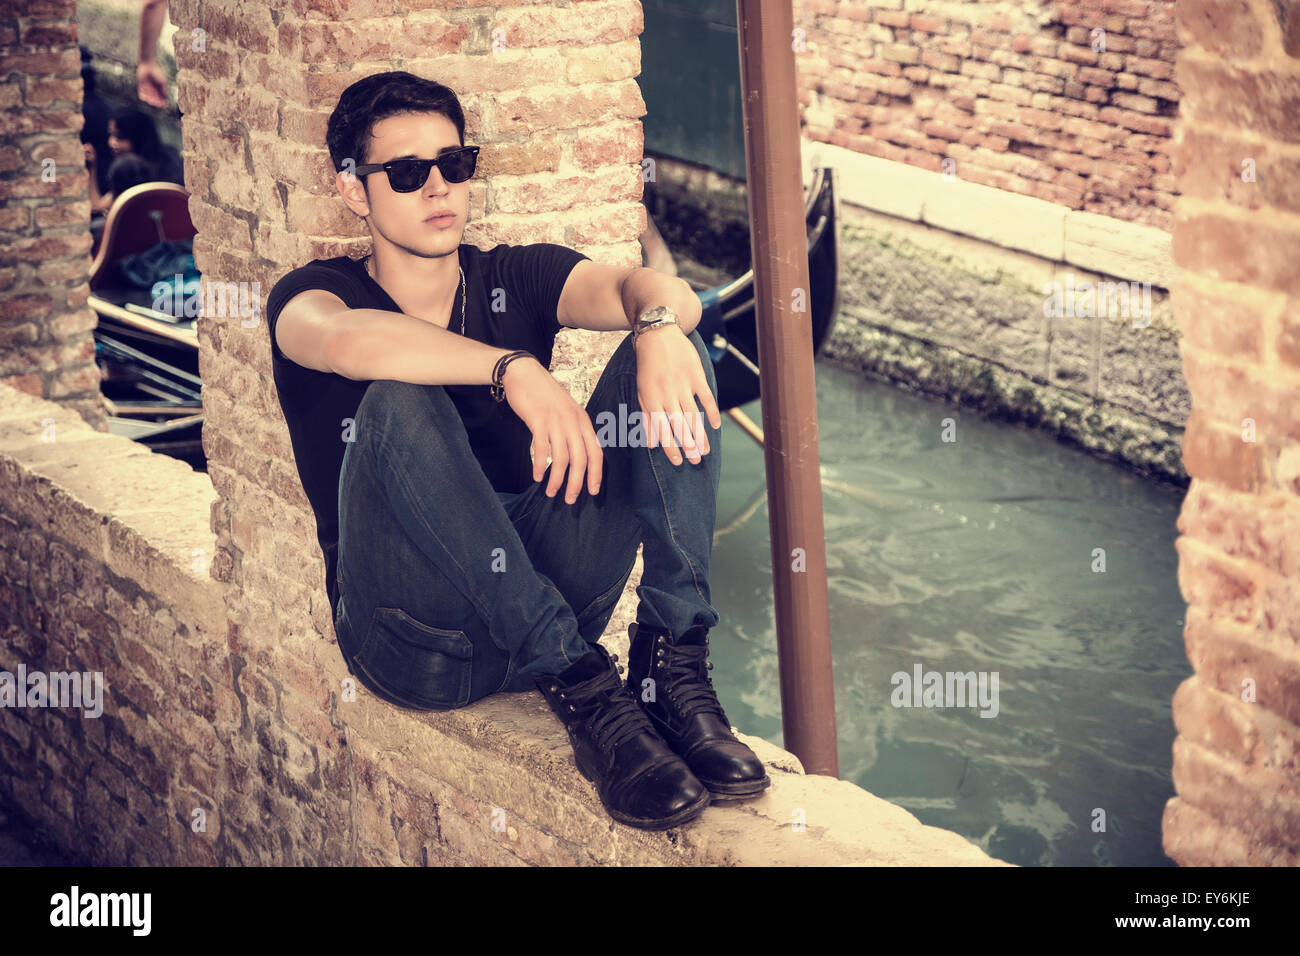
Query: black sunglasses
(408, 175)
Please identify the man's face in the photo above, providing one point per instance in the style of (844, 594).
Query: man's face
(404, 218)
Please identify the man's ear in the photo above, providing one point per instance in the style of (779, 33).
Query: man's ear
(353, 191)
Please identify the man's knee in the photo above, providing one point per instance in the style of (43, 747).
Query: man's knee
(390, 407)
(389, 395)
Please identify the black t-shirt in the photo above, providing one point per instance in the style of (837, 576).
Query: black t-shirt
(317, 405)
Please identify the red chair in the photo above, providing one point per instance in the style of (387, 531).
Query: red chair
(152, 358)
(139, 217)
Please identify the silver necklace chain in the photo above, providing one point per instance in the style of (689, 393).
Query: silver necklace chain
(370, 270)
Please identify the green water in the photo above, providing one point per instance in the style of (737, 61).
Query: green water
(974, 555)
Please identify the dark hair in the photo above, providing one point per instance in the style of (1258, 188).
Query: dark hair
(129, 170)
(87, 72)
(377, 97)
(139, 128)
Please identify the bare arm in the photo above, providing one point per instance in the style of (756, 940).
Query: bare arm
(670, 374)
(605, 298)
(151, 82)
(317, 330)
(645, 288)
(152, 15)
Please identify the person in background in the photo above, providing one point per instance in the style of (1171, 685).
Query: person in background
(151, 82)
(94, 131)
(139, 157)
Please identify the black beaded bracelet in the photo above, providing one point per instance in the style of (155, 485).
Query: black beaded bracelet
(499, 372)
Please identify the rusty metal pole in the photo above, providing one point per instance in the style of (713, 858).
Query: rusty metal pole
(779, 246)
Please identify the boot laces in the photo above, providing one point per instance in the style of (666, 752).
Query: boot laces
(619, 718)
(689, 687)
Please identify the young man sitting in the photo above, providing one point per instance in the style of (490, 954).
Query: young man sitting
(415, 383)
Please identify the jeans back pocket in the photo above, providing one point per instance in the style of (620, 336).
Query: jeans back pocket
(418, 666)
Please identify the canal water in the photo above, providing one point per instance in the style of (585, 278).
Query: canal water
(985, 555)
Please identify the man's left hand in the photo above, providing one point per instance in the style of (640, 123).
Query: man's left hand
(669, 377)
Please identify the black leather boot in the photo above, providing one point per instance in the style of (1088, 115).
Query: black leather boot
(641, 782)
(686, 711)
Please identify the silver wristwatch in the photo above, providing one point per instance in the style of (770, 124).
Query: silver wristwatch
(654, 318)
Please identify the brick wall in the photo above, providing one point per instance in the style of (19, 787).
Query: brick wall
(104, 556)
(561, 143)
(560, 162)
(1017, 94)
(1237, 236)
(46, 346)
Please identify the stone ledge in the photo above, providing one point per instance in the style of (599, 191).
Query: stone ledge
(143, 514)
(1050, 230)
(516, 734)
(443, 773)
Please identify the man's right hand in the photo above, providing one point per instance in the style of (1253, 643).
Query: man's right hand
(561, 428)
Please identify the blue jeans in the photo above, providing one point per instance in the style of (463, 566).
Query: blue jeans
(450, 591)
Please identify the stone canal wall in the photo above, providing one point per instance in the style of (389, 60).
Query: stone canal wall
(221, 744)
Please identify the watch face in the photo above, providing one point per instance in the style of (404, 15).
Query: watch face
(658, 314)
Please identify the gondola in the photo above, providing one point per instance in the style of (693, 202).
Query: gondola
(149, 360)
(729, 324)
(149, 400)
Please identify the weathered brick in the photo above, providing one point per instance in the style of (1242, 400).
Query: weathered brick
(1076, 54)
(1228, 28)
(899, 53)
(1239, 250)
(1267, 103)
